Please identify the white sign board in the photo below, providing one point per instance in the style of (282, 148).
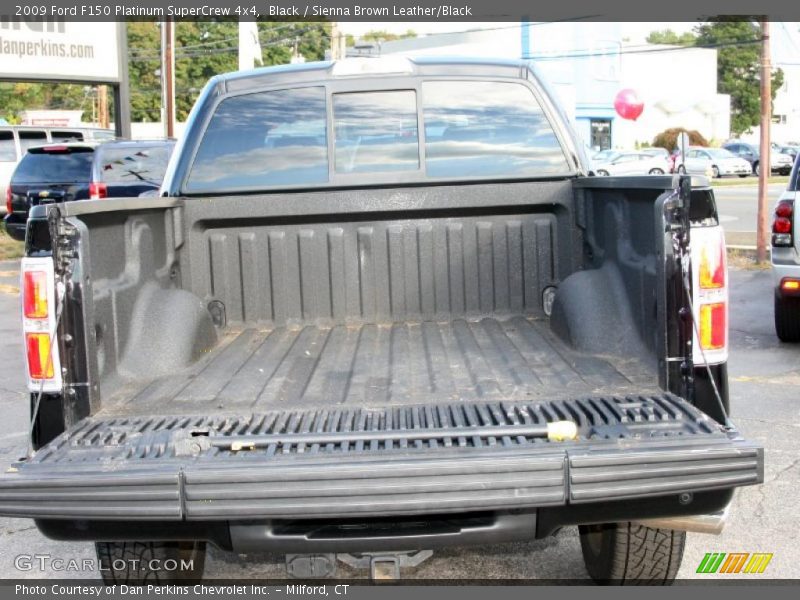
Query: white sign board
(61, 51)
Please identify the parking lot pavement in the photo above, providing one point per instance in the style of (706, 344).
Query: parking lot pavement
(764, 378)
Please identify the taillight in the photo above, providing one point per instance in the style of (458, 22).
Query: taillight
(8, 199)
(709, 295)
(38, 324)
(782, 223)
(97, 190)
(713, 326)
(34, 295)
(712, 266)
(40, 363)
(790, 286)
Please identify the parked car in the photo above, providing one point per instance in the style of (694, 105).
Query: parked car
(785, 258)
(309, 345)
(656, 151)
(713, 162)
(779, 163)
(632, 163)
(16, 139)
(792, 151)
(83, 170)
(602, 155)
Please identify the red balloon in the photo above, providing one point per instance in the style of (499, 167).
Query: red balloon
(628, 105)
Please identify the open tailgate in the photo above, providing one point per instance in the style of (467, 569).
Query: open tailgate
(378, 461)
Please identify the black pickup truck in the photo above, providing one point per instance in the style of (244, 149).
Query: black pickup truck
(380, 306)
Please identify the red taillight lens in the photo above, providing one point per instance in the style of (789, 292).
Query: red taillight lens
(34, 294)
(40, 363)
(713, 326)
(782, 225)
(97, 190)
(8, 199)
(784, 209)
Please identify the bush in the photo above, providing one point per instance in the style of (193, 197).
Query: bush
(668, 138)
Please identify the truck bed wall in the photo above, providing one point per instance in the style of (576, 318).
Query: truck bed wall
(164, 282)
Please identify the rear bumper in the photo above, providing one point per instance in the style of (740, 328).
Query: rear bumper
(180, 469)
(14, 226)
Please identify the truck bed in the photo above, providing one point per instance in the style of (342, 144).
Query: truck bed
(378, 365)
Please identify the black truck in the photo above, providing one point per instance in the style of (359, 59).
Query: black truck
(380, 306)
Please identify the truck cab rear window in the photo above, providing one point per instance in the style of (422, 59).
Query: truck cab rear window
(267, 139)
(487, 129)
(376, 131)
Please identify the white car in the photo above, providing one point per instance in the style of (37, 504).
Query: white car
(632, 163)
(713, 162)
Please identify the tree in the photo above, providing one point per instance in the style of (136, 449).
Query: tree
(738, 62)
(667, 36)
(668, 139)
(381, 35)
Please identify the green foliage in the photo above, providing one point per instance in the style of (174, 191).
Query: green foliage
(667, 36)
(381, 35)
(738, 60)
(668, 138)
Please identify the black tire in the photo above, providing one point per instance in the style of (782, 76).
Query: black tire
(630, 554)
(787, 319)
(682, 170)
(656, 172)
(602, 173)
(715, 172)
(744, 175)
(756, 169)
(141, 563)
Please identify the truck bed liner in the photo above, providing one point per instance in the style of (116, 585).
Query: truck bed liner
(381, 364)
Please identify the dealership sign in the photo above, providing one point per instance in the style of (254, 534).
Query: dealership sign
(61, 51)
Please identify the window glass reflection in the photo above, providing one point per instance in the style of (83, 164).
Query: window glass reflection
(263, 140)
(375, 131)
(487, 129)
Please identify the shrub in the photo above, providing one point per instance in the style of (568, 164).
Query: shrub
(669, 138)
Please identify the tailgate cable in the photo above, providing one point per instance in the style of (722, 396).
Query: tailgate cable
(60, 293)
(685, 258)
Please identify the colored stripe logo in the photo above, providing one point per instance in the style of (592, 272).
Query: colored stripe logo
(734, 562)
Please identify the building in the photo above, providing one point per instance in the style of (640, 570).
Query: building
(586, 65)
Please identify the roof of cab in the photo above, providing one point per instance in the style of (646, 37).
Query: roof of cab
(371, 67)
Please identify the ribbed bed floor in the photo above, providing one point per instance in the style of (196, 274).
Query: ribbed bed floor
(381, 365)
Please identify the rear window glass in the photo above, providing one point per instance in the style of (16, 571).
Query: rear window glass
(375, 131)
(31, 138)
(263, 140)
(8, 150)
(487, 129)
(144, 164)
(54, 167)
(66, 136)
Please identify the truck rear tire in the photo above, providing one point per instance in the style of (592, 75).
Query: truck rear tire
(631, 554)
(787, 319)
(141, 563)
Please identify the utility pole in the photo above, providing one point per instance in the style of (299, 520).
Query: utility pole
(168, 77)
(764, 161)
(102, 106)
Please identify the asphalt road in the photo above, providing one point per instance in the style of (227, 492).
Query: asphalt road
(738, 210)
(765, 376)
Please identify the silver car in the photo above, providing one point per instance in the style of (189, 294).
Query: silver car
(713, 162)
(785, 258)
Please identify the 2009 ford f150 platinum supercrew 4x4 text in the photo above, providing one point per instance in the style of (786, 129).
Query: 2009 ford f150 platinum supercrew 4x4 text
(380, 306)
